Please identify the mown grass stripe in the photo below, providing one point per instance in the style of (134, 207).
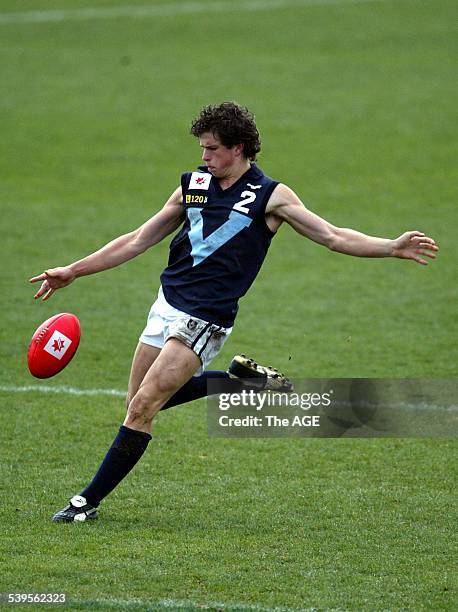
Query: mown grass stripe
(164, 10)
(177, 604)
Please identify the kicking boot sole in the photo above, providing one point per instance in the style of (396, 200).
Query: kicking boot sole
(244, 367)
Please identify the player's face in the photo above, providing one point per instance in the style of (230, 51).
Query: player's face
(219, 158)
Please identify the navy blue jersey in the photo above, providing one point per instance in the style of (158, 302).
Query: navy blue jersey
(218, 252)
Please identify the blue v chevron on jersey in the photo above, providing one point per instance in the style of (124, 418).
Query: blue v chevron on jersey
(204, 247)
(221, 246)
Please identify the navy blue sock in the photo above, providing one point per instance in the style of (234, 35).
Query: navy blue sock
(196, 388)
(126, 450)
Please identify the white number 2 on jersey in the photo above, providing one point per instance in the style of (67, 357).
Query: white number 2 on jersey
(248, 198)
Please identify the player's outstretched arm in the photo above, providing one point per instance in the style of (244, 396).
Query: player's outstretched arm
(286, 206)
(117, 251)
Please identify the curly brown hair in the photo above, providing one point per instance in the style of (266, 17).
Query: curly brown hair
(232, 123)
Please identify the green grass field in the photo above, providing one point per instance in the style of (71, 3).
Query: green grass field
(356, 104)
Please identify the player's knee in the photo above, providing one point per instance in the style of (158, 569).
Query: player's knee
(140, 407)
(149, 400)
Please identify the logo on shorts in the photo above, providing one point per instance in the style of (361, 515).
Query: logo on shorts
(200, 180)
(191, 324)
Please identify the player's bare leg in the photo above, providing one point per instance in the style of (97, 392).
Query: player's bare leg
(144, 357)
(194, 388)
(173, 367)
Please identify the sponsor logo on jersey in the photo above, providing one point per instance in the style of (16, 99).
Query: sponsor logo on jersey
(195, 199)
(57, 345)
(200, 180)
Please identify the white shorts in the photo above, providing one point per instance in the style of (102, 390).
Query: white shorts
(165, 321)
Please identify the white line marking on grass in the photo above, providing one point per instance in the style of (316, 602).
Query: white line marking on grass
(119, 393)
(164, 10)
(64, 390)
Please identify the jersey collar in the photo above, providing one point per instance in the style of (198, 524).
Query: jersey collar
(252, 172)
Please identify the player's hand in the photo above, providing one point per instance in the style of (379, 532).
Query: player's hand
(53, 279)
(415, 245)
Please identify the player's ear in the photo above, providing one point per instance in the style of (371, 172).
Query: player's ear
(238, 149)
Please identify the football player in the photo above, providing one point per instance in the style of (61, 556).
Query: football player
(226, 214)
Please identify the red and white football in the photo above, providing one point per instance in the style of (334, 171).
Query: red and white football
(53, 345)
